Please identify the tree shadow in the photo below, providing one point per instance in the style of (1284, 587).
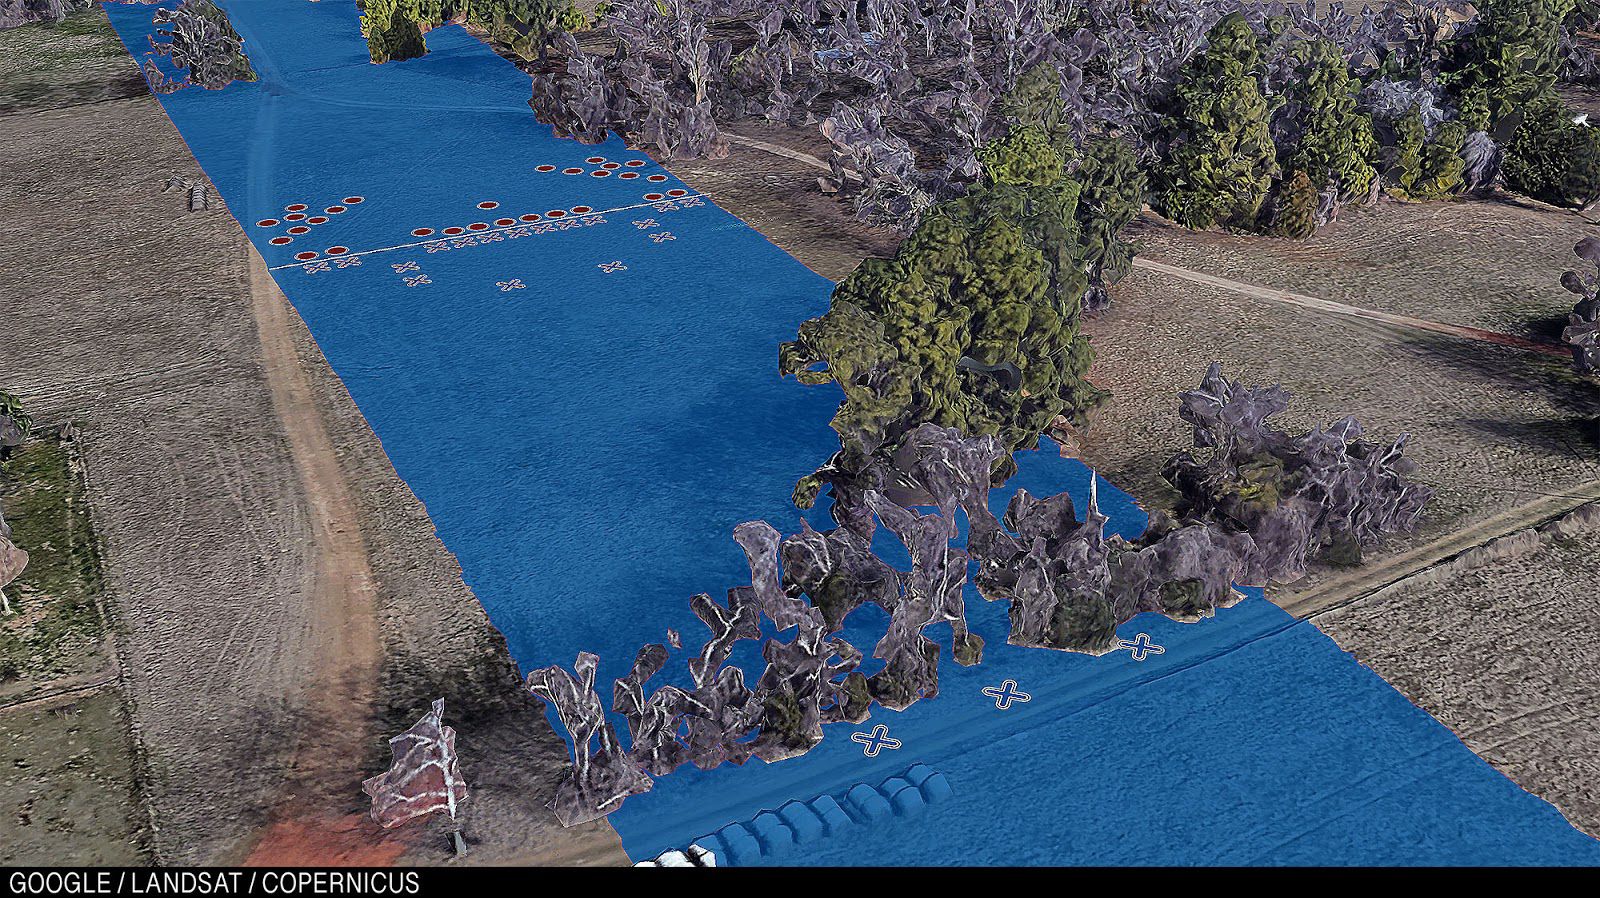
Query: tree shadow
(1574, 424)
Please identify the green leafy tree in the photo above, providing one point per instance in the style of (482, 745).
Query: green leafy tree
(1035, 101)
(394, 28)
(1024, 157)
(1223, 159)
(393, 32)
(1427, 169)
(1336, 144)
(1410, 136)
(15, 424)
(1552, 159)
(974, 324)
(1472, 105)
(1442, 164)
(1513, 53)
(1113, 189)
(1510, 63)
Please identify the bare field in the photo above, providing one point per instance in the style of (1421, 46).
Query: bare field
(69, 786)
(79, 60)
(54, 638)
(1490, 263)
(1489, 425)
(1506, 652)
(66, 757)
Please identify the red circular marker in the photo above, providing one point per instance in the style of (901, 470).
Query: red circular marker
(305, 256)
(478, 226)
(654, 196)
(422, 232)
(338, 250)
(600, 173)
(267, 223)
(300, 230)
(354, 200)
(635, 163)
(504, 222)
(581, 210)
(658, 178)
(628, 175)
(488, 204)
(451, 232)
(334, 210)
(676, 192)
(595, 160)
(612, 165)
(546, 168)
(297, 216)
(572, 171)
(530, 217)
(281, 241)
(295, 207)
(556, 213)
(317, 219)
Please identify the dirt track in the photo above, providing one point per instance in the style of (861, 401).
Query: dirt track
(338, 693)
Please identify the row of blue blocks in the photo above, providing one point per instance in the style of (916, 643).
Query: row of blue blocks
(774, 834)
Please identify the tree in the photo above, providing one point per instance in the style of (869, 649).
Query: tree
(14, 428)
(1427, 169)
(15, 424)
(424, 776)
(974, 324)
(393, 32)
(1035, 101)
(1025, 157)
(1511, 62)
(1113, 188)
(197, 36)
(1583, 325)
(1551, 158)
(1334, 143)
(13, 561)
(1513, 53)
(1223, 159)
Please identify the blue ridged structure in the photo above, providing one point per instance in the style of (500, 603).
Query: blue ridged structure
(774, 835)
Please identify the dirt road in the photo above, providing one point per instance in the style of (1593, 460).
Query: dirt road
(1404, 322)
(1359, 584)
(338, 691)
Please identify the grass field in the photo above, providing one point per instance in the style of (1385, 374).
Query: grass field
(55, 632)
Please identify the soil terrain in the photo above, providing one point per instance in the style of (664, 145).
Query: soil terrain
(282, 603)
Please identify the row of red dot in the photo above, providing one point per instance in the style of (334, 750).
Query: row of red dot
(452, 231)
(605, 170)
(528, 218)
(501, 222)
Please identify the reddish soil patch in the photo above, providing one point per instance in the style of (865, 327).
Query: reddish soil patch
(350, 841)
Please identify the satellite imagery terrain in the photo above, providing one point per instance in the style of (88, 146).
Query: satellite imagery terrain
(443, 435)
